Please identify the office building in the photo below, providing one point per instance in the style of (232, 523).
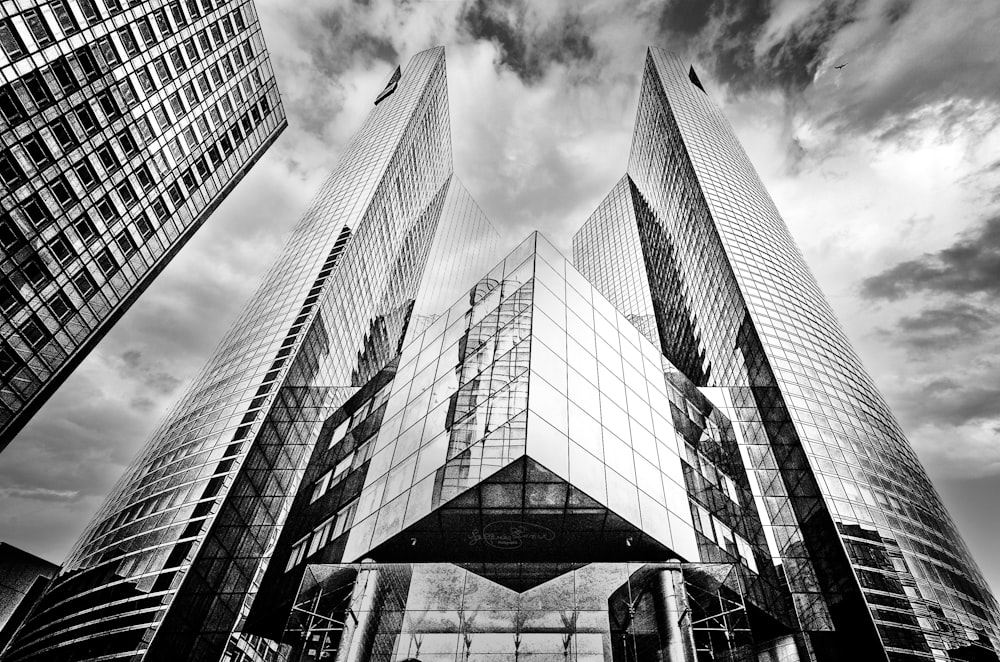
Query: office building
(164, 569)
(672, 453)
(23, 577)
(690, 245)
(524, 470)
(122, 126)
(406, 451)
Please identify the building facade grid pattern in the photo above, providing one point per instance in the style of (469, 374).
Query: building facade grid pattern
(247, 420)
(831, 467)
(122, 129)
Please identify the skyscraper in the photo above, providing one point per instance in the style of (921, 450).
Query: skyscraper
(672, 453)
(122, 126)
(690, 245)
(163, 570)
(400, 452)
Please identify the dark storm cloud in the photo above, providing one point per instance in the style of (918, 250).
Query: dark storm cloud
(333, 38)
(345, 41)
(969, 266)
(949, 327)
(725, 35)
(526, 51)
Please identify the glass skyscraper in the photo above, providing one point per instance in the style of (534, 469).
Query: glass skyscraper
(164, 569)
(409, 448)
(122, 126)
(691, 246)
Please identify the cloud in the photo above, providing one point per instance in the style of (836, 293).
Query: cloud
(526, 45)
(969, 266)
(950, 327)
(38, 494)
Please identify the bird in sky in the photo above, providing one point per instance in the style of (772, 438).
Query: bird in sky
(840, 66)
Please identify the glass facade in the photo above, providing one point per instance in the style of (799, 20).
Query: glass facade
(529, 430)
(438, 612)
(165, 568)
(122, 126)
(874, 564)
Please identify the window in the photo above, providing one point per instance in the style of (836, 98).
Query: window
(34, 332)
(85, 229)
(86, 118)
(143, 177)
(191, 94)
(343, 466)
(345, 517)
(62, 249)
(36, 148)
(159, 208)
(87, 63)
(162, 23)
(106, 49)
(193, 9)
(192, 51)
(162, 71)
(10, 298)
(62, 192)
(179, 18)
(126, 92)
(145, 81)
(114, 6)
(238, 19)
(10, 362)
(128, 42)
(107, 210)
(106, 262)
(177, 59)
(10, 41)
(60, 306)
(11, 238)
(107, 157)
(189, 179)
(175, 193)
(205, 42)
(127, 143)
(63, 73)
(144, 227)
(38, 89)
(176, 105)
(35, 272)
(89, 11)
(38, 28)
(161, 117)
(84, 284)
(339, 433)
(298, 553)
(64, 134)
(145, 31)
(126, 243)
(85, 173)
(10, 106)
(321, 486)
(204, 85)
(64, 17)
(36, 211)
(108, 104)
(320, 536)
(10, 170)
(126, 192)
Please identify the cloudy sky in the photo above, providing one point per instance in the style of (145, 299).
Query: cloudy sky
(886, 171)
